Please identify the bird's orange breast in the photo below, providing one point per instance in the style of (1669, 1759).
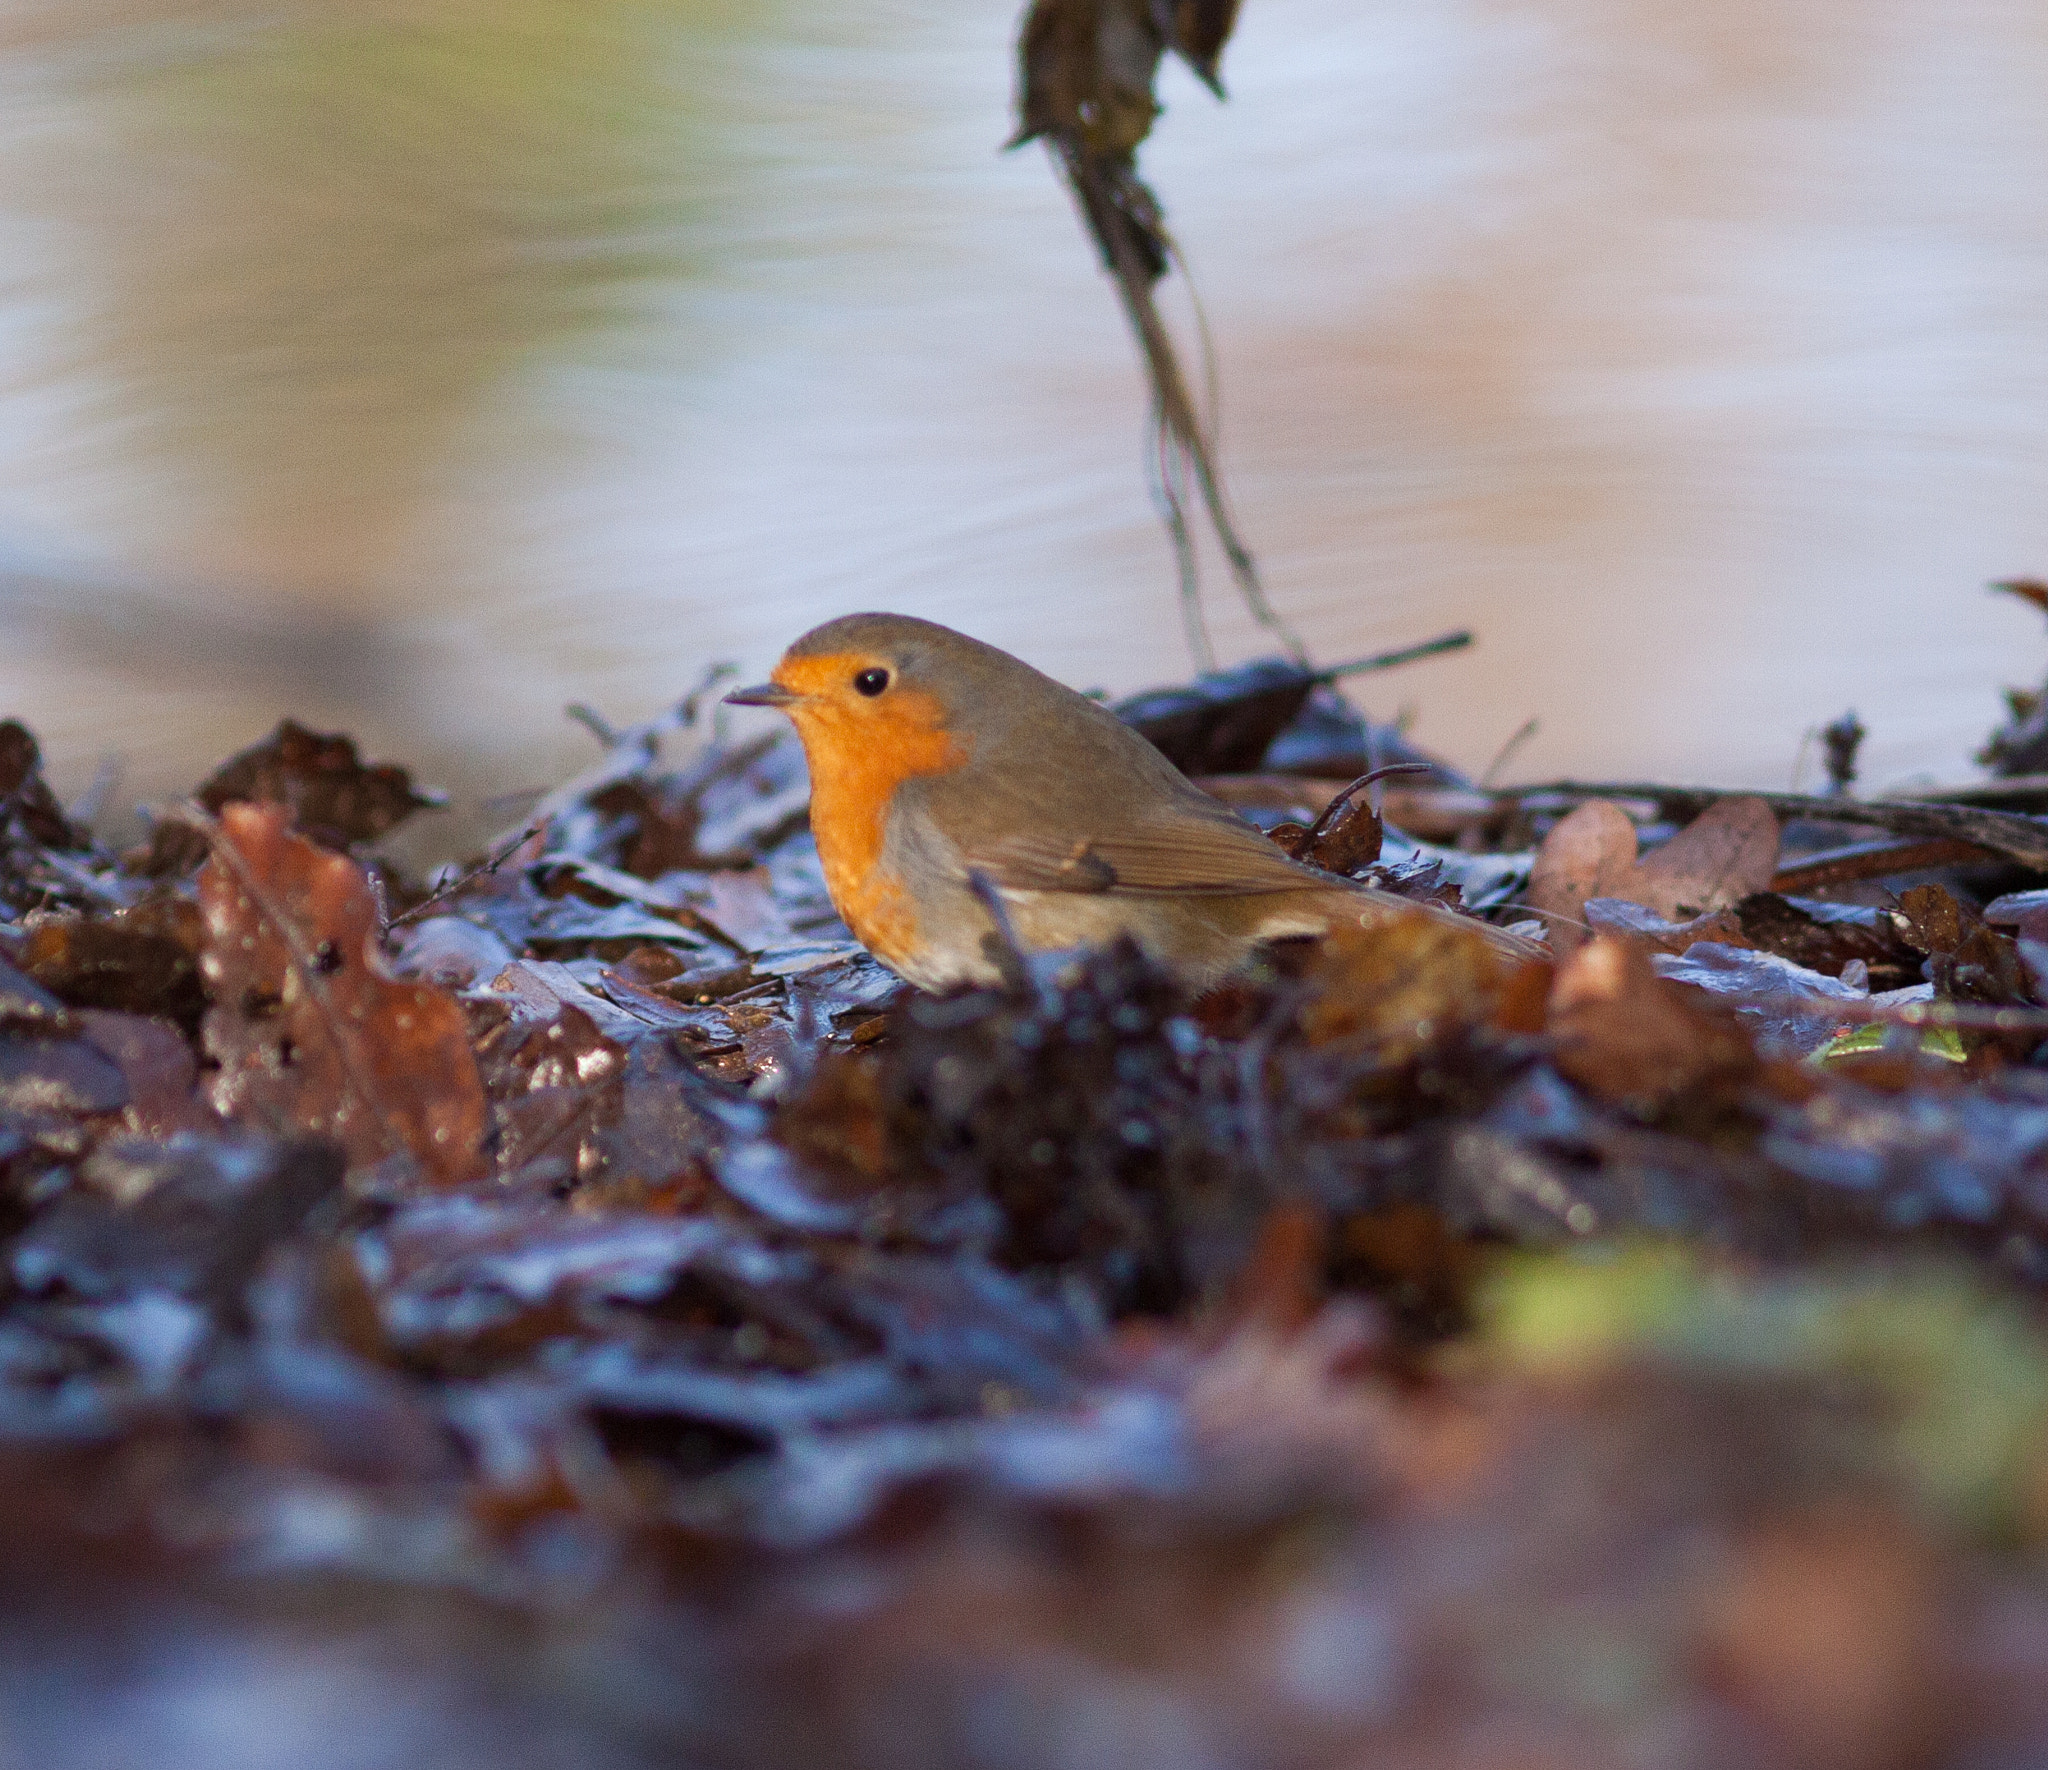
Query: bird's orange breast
(859, 755)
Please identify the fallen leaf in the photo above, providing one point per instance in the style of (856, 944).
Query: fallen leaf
(25, 799)
(1402, 983)
(335, 797)
(192, 1217)
(1828, 1630)
(1591, 853)
(309, 1032)
(143, 960)
(1729, 851)
(1631, 1039)
(1619, 915)
(1827, 937)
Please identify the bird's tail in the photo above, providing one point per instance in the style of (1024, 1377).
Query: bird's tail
(1350, 905)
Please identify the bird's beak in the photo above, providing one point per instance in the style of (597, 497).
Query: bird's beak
(763, 694)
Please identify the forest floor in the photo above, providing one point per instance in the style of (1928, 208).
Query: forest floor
(578, 1309)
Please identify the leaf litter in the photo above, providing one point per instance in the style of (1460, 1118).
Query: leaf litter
(734, 1354)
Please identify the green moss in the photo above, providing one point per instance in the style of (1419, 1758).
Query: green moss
(1957, 1372)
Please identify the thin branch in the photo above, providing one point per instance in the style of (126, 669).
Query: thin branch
(483, 869)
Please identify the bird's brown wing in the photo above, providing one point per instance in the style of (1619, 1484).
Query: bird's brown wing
(1193, 853)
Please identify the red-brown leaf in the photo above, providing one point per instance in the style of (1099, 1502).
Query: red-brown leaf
(309, 1032)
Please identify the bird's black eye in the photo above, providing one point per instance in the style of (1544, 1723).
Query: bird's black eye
(871, 682)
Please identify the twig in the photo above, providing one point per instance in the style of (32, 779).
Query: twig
(1407, 654)
(594, 722)
(1875, 860)
(1968, 1016)
(1527, 730)
(483, 869)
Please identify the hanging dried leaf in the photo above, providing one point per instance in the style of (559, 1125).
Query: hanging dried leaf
(1086, 73)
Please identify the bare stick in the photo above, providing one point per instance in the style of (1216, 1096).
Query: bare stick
(482, 870)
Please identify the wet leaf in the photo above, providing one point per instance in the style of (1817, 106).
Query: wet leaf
(308, 1031)
(1591, 853)
(1828, 937)
(142, 960)
(1630, 1039)
(334, 797)
(1401, 984)
(1226, 720)
(65, 1077)
(194, 1218)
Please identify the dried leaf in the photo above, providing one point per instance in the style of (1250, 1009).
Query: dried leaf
(1631, 1039)
(309, 1032)
(1591, 853)
(1729, 851)
(1828, 1631)
(1224, 722)
(1402, 983)
(143, 960)
(26, 802)
(335, 797)
(1969, 959)
(1826, 937)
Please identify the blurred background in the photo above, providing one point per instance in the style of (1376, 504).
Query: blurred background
(417, 366)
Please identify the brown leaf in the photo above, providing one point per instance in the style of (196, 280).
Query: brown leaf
(159, 1068)
(1829, 1630)
(1635, 1041)
(309, 1032)
(1349, 843)
(143, 960)
(1402, 983)
(1970, 960)
(1724, 854)
(1826, 937)
(24, 797)
(1591, 853)
(335, 797)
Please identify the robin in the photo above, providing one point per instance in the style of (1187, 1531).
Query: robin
(947, 775)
